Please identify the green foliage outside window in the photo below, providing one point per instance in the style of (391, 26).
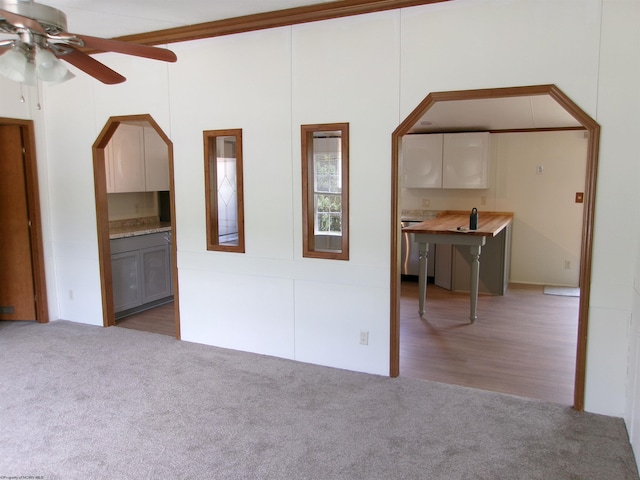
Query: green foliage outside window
(328, 207)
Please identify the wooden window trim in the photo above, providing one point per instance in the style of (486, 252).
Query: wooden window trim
(213, 244)
(308, 233)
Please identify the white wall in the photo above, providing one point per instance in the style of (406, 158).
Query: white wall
(21, 102)
(615, 306)
(547, 227)
(370, 71)
(615, 242)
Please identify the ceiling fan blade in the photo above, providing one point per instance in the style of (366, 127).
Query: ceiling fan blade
(108, 45)
(93, 67)
(22, 21)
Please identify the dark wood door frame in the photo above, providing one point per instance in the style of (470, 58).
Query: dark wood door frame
(33, 205)
(593, 130)
(102, 215)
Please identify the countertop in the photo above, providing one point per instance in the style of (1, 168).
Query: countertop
(490, 224)
(135, 230)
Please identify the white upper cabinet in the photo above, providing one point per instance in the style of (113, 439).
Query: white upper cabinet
(137, 160)
(108, 166)
(156, 160)
(465, 160)
(127, 157)
(450, 160)
(422, 161)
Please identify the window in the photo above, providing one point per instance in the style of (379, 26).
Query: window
(325, 190)
(223, 189)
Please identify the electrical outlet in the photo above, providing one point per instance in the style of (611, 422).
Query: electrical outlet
(70, 294)
(425, 203)
(567, 265)
(483, 200)
(539, 169)
(364, 337)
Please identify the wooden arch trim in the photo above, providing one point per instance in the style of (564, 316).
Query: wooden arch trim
(102, 214)
(593, 130)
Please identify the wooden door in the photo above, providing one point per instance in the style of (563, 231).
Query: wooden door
(17, 292)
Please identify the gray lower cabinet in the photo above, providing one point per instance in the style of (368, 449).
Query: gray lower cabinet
(126, 275)
(453, 265)
(141, 270)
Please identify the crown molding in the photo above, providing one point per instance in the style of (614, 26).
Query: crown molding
(278, 18)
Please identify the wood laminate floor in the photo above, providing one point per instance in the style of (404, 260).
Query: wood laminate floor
(523, 343)
(157, 320)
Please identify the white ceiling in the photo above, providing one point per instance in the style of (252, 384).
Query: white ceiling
(116, 18)
(526, 112)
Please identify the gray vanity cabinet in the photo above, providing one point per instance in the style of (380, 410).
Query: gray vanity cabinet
(141, 271)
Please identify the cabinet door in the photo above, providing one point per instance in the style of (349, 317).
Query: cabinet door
(127, 147)
(156, 161)
(443, 267)
(465, 160)
(422, 161)
(108, 166)
(126, 273)
(494, 274)
(156, 273)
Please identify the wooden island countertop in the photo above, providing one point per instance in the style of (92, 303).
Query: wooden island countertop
(452, 228)
(450, 222)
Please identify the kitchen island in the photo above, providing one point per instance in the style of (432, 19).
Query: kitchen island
(452, 228)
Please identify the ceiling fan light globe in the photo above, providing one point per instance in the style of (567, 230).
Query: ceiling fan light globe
(13, 65)
(48, 67)
(30, 76)
(67, 76)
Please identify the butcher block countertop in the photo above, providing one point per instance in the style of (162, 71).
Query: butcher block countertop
(450, 222)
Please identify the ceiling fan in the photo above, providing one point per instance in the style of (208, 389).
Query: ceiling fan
(41, 38)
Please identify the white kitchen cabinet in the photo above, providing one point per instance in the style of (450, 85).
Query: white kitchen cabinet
(422, 161)
(127, 159)
(465, 160)
(137, 160)
(450, 160)
(108, 165)
(156, 161)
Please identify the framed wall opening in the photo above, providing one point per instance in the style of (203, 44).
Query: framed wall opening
(546, 92)
(103, 179)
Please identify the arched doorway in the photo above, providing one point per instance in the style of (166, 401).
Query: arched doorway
(551, 92)
(102, 211)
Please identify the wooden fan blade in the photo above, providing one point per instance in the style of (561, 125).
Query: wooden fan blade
(21, 21)
(108, 45)
(93, 67)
